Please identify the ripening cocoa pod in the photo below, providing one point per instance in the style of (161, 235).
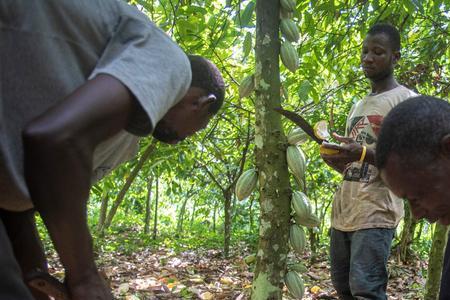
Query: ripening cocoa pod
(246, 184)
(289, 56)
(297, 136)
(296, 161)
(290, 30)
(294, 284)
(301, 205)
(310, 221)
(247, 86)
(288, 5)
(297, 238)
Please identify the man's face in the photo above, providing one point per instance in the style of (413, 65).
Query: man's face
(427, 188)
(184, 119)
(377, 57)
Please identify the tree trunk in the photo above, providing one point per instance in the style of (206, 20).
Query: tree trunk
(194, 208)
(435, 262)
(148, 206)
(214, 216)
(103, 210)
(407, 235)
(227, 223)
(155, 221)
(270, 142)
(181, 216)
(127, 185)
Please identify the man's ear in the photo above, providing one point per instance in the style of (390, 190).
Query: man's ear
(445, 146)
(204, 102)
(397, 56)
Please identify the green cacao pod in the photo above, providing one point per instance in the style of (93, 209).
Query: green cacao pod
(298, 267)
(288, 5)
(247, 86)
(289, 56)
(296, 161)
(300, 204)
(290, 30)
(297, 136)
(286, 13)
(250, 259)
(246, 184)
(297, 238)
(310, 221)
(294, 284)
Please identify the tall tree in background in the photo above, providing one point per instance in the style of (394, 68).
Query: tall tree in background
(271, 162)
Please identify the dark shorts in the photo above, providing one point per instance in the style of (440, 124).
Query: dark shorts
(444, 293)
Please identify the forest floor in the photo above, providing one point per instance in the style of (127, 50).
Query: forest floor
(160, 273)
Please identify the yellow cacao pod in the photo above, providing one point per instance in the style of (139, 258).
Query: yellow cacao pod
(297, 136)
(247, 86)
(296, 161)
(290, 30)
(300, 204)
(289, 56)
(288, 5)
(294, 284)
(297, 238)
(246, 184)
(310, 221)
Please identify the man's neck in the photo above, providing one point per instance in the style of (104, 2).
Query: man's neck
(384, 85)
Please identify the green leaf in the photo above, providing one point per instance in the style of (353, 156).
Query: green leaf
(247, 44)
(247, 14)
(304, 89)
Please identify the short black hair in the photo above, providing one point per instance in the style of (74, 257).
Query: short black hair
(206, 75)
(389, 30)
(413, 130)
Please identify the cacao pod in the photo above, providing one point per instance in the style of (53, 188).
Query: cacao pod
(310, 221)
(289, 56)
(286, 13)
(296, 161)
(246, 184)
(294, 284)
(288, 5)
(290, 30)
(300, 204)
(297, 238)
(250, 259)
(247, 86)
(298, 267)
(297, 136)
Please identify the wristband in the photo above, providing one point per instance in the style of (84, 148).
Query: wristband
(363, 154)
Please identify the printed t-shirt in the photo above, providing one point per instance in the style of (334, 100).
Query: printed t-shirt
(363, 201)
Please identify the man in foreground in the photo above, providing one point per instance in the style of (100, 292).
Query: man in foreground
(364, 213)
(80, 82)
(413, 156)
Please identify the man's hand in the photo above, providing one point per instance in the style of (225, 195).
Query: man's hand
(91, 286)
(349, 151)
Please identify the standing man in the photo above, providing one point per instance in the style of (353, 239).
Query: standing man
(365, 214)
(413, 156)
(80, 82)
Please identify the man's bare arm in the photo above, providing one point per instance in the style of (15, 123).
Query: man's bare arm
(59, 147)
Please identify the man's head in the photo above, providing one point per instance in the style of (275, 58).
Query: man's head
(380, 52)
(413, 155)
(193, 112)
